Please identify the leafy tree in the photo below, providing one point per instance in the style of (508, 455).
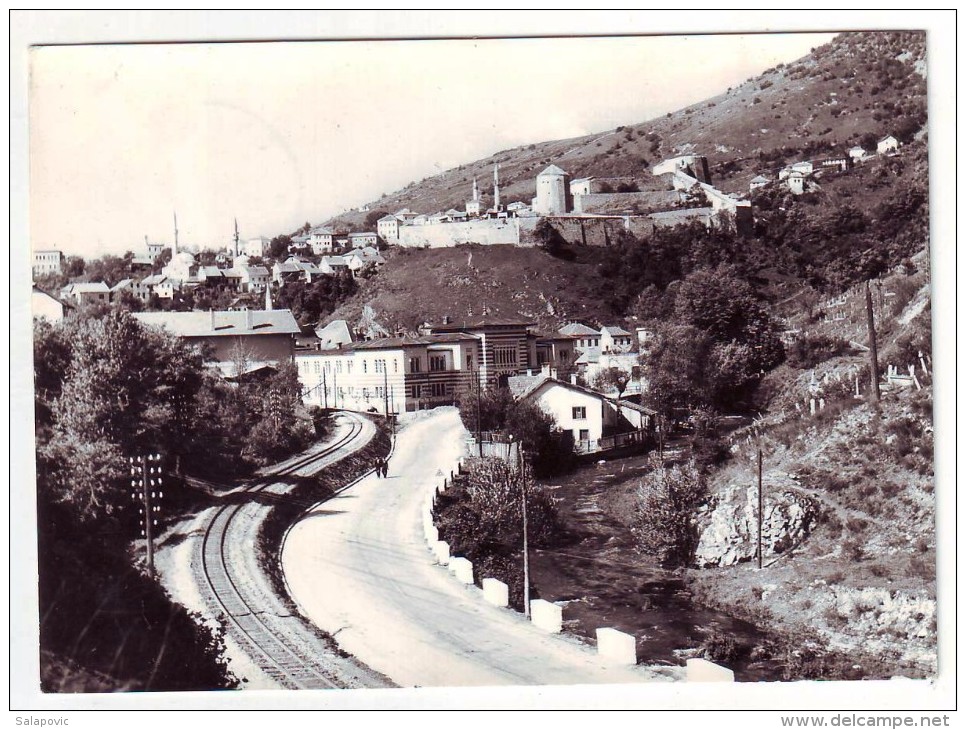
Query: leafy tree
(665, 523)
(676, 369)
(310, 302)
(278, 248)
(74, 266)
(612, 378)
(372, 218)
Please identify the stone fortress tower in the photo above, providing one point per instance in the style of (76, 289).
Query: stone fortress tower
(553, 192)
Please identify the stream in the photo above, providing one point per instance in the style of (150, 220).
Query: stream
(603, 581)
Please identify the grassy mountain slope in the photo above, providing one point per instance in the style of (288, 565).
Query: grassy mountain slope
(472, 280)
(855, 89)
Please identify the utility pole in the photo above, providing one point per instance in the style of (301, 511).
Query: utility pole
(526, 542)
(479, 412)
(761, 508)
(873, 352)
(385, 389)
(146, 487)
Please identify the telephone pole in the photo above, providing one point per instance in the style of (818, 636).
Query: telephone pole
(479, 412)
(385, 389)
(526, 542)
(146, 487)
(761, 508)
(873, 351)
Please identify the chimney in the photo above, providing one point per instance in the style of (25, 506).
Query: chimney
(445, 319)
(573, 379)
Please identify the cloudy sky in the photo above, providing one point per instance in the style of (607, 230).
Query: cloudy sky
(280, 133)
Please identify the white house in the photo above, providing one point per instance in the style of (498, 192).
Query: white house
(320, 239)
(47, 262)
(388, 228)
(887, 144)
(333, 264)
(583, 336)
(586, 414)
(856, 153)
(616, 339)
(253, 278)
(257, 246)
(759, 181)
(87, 293)
(363, 239)
(47, 306)
(796, 182)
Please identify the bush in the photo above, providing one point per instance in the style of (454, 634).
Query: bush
(807, 352)
(667, 504)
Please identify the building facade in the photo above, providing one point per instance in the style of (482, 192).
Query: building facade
(391, 375)
(553, 192)
(47, 262)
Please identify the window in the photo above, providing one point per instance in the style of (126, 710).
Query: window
(338, 367)
(365, 366)
(378, 366)
(395, 366)
(414, 366)
(416, 391)
(584, 434)
(437, 363)
(504, 356)
(579, 413)
(317, 369)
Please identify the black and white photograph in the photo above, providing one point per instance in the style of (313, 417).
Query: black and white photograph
(526, 361)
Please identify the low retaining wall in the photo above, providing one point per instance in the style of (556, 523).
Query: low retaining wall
(613, 645)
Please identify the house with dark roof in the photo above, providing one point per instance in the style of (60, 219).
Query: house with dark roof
(583, 336)
(234, 341)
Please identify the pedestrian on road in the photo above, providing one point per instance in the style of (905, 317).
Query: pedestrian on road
(379, 468)
(385, 468)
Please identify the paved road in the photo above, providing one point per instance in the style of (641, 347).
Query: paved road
(359, 568)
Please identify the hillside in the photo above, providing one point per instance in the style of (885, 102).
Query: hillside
(472, 281)
(853, 90)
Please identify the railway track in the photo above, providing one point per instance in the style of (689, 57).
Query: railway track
(277, 653)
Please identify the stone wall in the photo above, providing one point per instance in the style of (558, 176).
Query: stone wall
(441, 235)
(646, 202)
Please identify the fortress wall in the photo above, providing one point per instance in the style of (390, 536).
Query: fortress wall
(623, 202)
(441, 235)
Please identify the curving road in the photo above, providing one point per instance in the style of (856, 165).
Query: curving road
(359, 568)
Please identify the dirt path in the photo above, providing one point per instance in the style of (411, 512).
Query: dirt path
(359, 568)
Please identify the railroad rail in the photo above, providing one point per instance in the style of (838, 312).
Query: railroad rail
(284, 661)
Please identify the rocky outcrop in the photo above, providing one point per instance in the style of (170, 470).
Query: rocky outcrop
(730, 525)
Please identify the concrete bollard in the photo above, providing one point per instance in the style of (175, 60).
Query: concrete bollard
(462, 569)
(441, 550)
(701, 670)
(496, 592)
(546, 615)
(617, 646)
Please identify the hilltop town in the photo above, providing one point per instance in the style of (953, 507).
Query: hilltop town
(663, 354)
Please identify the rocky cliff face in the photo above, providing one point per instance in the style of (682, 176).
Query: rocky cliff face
(729, 532)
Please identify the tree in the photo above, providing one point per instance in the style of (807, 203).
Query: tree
(278, 248)
(676, 369)
(665, 524)
(372, 218)
(612, 378)
(549, 239)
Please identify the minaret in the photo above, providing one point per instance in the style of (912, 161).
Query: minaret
(476, 191)
(235, 249)
(268, 298)
(174, 251)
(496, 186)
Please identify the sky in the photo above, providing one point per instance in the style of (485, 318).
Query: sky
(277, 134)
